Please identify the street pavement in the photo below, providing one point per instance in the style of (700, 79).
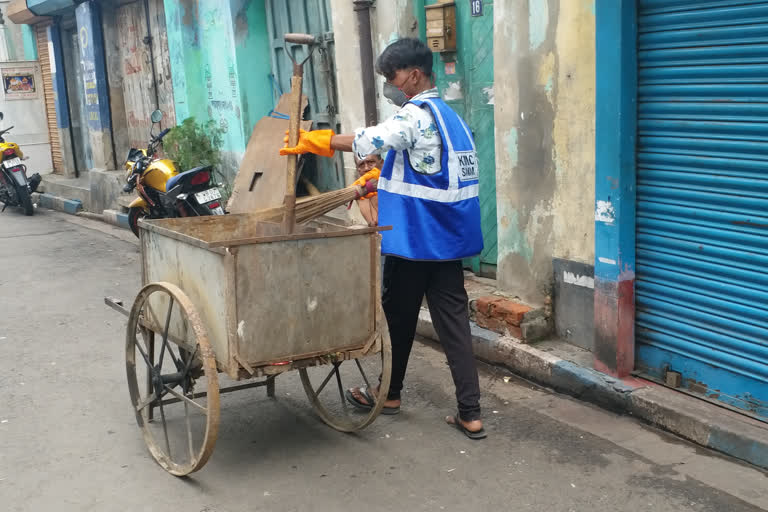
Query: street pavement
(69, 441)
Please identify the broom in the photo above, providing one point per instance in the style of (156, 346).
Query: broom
(311, 207)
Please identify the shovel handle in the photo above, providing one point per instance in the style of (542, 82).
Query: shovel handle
(307, 39)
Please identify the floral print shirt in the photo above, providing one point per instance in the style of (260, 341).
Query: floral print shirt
(412, 129)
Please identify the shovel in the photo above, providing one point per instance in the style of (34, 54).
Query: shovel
(294, 125)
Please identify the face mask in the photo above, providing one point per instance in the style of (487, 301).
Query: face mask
(395, 95)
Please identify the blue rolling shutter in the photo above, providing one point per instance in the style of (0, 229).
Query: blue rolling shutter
(702, 196)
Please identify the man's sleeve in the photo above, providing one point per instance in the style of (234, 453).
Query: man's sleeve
(399, 132)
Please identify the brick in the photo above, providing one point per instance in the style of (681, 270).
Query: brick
(483, 304)
(512, 312)
(493, 324)
(515, 331)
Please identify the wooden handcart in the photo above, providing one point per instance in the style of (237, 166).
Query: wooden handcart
(231, 296)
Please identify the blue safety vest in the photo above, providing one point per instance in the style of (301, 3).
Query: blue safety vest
(435, 216)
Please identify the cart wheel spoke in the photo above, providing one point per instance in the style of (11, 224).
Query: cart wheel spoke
(362, 372)
(344, 417)
(325, 382)
(165, 430)
(144, 354)
(165, 331)
(341, 386)
(180, 440)
(145, 403)
(186, 399)
(190, 441)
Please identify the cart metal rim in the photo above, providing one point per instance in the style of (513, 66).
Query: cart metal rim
(383, 346)
(137, 325)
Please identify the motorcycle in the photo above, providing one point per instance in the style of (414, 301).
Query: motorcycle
(163, 191)
(15, 188)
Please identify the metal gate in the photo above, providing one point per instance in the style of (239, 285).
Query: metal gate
(702, 197)
(41, 31)
(311, 17)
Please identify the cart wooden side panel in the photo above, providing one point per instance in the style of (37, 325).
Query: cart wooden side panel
(301, 298)
(203, 275)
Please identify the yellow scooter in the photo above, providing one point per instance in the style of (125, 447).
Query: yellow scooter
(15, 188)
(163, 191)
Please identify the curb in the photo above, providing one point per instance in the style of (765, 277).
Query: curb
(116, 218)
(695, 420)
(75, 207)
(70, 206)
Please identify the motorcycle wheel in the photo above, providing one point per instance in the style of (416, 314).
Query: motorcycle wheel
(25, 200)
(134, 214)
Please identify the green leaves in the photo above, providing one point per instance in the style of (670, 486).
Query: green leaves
(192, 144)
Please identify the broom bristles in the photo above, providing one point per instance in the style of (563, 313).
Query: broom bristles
(311, 207)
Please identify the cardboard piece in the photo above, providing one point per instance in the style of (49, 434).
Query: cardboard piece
(262, 160)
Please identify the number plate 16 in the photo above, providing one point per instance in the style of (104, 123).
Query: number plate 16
(477, 7)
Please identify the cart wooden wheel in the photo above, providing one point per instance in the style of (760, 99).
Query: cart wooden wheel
(172, 378)
(329, 400)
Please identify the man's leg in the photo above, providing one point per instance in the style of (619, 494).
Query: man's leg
(447, 299)
(404, 284)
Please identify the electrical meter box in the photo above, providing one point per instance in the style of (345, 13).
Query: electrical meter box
(441, 27)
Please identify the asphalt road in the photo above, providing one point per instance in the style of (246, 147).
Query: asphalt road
(69, 441)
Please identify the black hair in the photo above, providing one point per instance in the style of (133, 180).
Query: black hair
(404, 54)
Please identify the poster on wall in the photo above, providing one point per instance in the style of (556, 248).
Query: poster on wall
(19, 83)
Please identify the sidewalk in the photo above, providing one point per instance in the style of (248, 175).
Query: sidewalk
(568, 369)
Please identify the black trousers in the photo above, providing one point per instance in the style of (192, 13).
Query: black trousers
(405, 283)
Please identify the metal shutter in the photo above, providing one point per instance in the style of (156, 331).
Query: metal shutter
(50, 105)
(702, 197)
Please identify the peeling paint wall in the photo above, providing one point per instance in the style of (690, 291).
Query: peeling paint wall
(544, 106)
(254, 63)
(220, 62)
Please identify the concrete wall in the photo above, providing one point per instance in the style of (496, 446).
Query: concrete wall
(18, 50)
(30, 123)
(545, 130)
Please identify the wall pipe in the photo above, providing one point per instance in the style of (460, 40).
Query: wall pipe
(363, 10)
(149, 42)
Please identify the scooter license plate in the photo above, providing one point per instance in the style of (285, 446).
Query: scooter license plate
(217, 211)
(206, 196)
(13, 162)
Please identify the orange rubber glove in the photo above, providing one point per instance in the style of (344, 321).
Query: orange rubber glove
(316, 141)
(373, 174)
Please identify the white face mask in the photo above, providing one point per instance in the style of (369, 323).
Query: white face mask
(394, 95)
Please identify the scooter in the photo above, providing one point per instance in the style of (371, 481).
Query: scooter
(163, 191)
(15, 188)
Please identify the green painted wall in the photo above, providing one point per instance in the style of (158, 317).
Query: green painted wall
(465, 79)
(220, 62)
(254, 62)
(30, 45)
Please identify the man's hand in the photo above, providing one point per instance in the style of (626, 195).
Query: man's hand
(369, 181)
(316, 141)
